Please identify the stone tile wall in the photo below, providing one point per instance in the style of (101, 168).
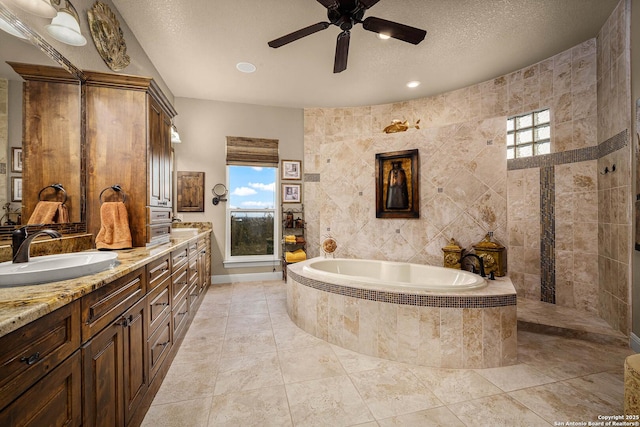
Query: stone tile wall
(4, 123)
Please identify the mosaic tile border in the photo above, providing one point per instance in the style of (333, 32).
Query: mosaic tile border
(547, 235)
(442, 301)
(612, 144)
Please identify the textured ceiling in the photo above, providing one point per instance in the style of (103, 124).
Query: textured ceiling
(195, 45)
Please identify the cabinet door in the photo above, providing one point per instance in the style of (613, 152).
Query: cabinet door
(135, 356)
(159, 156)
(103, 373)
(53, 401)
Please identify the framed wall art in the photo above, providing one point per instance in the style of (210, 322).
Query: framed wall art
(291, 193)
(16, 189)
(291, 169)
(398, 184)
(16, 159)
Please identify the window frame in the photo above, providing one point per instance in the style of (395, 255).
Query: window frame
(536, 142)
(253, 260)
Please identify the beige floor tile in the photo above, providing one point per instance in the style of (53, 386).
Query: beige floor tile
(515, 377)
(250, 323)
(290, 337)
(356, 362)
(436, 417)
(496, 411)
(562, 402)
(608, 386)
(243, 343)
(309, 363)
(213, 309)
(187, 413)
(262, 407)
(392, 391)
(278, 319)
(326, 402)
(243, 307)
(199, 349)
(248, 373)
(207, 327)
(455, 385)
(187, 381)
(277, 305)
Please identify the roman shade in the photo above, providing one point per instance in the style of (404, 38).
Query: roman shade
(252, 151)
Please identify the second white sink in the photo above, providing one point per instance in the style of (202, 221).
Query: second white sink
(51, 268)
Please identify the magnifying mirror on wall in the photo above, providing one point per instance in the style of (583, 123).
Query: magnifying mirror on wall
(220, 193)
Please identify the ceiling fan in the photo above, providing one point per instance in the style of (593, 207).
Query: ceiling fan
(345, 14)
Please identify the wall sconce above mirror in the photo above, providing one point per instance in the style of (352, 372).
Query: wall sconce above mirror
(65, 26)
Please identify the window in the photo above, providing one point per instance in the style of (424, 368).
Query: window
(529, 134)
(251, 214)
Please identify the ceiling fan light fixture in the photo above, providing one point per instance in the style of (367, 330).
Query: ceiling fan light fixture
(246, 67)
(65, 27)
(413, 84)
(383, 36)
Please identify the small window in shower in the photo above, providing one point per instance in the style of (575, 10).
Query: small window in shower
(529, 134)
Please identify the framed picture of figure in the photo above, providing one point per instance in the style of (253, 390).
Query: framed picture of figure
(398, 184)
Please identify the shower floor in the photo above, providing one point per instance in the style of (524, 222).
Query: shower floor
(542, 317)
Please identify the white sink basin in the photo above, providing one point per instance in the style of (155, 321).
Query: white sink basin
(184, 231)
(51, 268)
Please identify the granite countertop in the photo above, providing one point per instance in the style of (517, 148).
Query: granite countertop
(23, 304)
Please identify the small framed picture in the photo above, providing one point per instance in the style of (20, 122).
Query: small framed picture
(291, 193)
(16, 189)
(291, 169)
(16, 159)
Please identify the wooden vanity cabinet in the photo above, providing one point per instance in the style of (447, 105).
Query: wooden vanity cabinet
(100, 360)
(115, 359)
(128, 142)
(35, 379)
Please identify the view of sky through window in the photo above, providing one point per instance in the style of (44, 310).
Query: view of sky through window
(252, 187)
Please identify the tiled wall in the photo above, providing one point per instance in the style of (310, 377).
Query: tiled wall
(614, 189)
(547, 215)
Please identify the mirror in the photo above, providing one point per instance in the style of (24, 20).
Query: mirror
(12, 168)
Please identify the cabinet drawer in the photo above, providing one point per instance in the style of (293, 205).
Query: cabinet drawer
(159, 344)
(157, 271)
(30, 352)
(158, 215)
(104, 305)
(159, 305)
(194, 293)
(180, 280)
(158, 233)
(179, 257)
(180, 316)
(53, 401)
(193, 270)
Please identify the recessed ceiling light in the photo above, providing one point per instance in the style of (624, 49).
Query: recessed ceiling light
(246, 67)
(383, 36)
(413, 84)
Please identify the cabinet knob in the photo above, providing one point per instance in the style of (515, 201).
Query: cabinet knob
(31, 359)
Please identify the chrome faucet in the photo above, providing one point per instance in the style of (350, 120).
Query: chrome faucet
(480, 262)
(21, 242)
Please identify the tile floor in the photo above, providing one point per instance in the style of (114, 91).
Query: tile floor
(244, 363)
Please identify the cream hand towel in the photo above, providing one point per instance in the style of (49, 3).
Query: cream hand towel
(114, 228)
(44, 213)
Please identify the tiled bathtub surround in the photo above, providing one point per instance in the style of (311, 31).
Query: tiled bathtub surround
(466, 189)
(474, 329)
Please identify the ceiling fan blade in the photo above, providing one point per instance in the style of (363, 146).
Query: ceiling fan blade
(366, 4)
(342, 52)
(299, 34)
(393, 29)
(328, 3)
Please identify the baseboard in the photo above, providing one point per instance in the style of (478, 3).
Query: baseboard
(247, 277)
(634, 342)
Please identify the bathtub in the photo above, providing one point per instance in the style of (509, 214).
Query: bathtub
(425, 315)
(397, 276)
